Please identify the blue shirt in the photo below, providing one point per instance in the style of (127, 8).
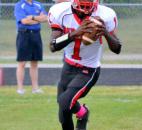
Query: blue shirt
(24, 9)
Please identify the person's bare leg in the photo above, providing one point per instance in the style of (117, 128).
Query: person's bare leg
(34, 74)
(34, 77)
(20, 73)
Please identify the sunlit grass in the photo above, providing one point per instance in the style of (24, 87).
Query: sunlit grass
(111, 108)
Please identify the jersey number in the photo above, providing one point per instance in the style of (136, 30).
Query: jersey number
(77, 50)
(77, 44)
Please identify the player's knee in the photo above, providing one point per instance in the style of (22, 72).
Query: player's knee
(64, 102)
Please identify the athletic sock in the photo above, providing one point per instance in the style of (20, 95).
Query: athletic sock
(81, 112)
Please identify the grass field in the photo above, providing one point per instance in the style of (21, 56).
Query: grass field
(112, 108)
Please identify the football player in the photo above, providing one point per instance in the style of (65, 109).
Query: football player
(81, 69)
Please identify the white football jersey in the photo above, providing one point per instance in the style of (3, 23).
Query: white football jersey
(61, 16)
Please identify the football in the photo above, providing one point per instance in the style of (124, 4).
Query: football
(89, 38)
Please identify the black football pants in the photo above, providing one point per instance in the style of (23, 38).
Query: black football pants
(74, 84)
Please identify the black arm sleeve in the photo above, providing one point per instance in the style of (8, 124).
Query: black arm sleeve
(57, 45)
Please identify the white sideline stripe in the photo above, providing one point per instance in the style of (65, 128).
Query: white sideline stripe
(44, 58)
(123, 100)
(60, 65)
(28, 65)
(109, 57)
(122, 66)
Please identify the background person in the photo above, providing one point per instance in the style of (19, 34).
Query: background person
(68, 21)
(29, 14)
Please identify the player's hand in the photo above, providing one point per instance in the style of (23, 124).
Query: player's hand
(85, 27)
(101, 29)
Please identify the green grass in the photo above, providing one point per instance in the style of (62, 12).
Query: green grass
(112, 108)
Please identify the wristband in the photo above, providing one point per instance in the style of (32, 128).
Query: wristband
(62, 38)
(60, 42)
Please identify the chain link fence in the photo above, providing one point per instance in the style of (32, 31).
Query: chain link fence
(123, 10)
(6, 10)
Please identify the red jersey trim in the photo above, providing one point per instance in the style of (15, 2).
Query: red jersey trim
(73, 63)
(56, 26)
(77, 19)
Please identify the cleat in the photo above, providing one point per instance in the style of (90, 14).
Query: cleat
(82, 122)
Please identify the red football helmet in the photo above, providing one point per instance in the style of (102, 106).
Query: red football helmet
(85, 6)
